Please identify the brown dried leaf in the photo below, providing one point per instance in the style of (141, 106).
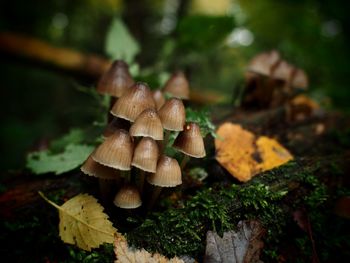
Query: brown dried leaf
(125, 254)
(243, 245)
(244, 156)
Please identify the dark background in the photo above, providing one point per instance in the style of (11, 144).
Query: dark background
(211, 40)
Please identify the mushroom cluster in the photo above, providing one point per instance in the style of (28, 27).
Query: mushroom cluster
(138, 134)
(271, 81)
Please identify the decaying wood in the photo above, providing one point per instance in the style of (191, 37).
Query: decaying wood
(22, 192)
(74, 62)
(43, 52)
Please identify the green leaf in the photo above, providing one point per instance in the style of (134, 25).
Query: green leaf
(120, 44)
(45, 161)
(74, 136)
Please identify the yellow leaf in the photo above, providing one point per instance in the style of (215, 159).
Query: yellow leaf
(272, 153)
(234, 148)
(125, 254)
(244, 156)
(83, 223)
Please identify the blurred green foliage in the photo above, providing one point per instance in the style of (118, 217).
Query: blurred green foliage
(120, 44)
(213, 49)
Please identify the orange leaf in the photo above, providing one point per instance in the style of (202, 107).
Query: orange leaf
(272, 153)
(244, 156)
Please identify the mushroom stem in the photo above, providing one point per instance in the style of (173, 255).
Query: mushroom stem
(154, 197)
(141, 180)
(127, 176)
(184, 161)
(105, 189)
(165, 141)
(112, 101)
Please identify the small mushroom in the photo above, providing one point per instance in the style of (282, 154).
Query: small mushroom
(147, 124)
(173, 117)
(168, 173)
(283, 71)
(145, 158)
(178, 86)
(116, 151)
(128, 197)
(106, 176)
(190, 142)
(133, 102)
(300, 79)
(92, 168)
(146, 155)
(158, 98)
(172, 114)
(263, 63)
(116, 80)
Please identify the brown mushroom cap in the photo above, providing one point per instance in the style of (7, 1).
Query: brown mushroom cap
(190, 141)
(283, 71)
(116, 151)
(173, 115)
(133, 102)
(294, 76)
(168, 173)
(147, 124)
(178, 86)
(146, 155)
(128, 197)
(300, 79)
(92, 168)
(263, 63)
(158, 98)
(116, 80)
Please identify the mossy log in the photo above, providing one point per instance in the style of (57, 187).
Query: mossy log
(311, 183)
(270, 197)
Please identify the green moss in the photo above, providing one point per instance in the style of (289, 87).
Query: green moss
(104, 254)
(182, 230)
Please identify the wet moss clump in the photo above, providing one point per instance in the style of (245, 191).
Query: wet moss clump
(182, 230)
(270, 198)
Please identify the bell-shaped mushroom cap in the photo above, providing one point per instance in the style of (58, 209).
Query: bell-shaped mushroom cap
(115, 124)
(92, 168)
(173, 115)
(133, 102)
(178, 86)
(147, 124)
(116, 80)
(300, 79)
(128, 197)
(116, 151)
(168, 173)
(294, 76)
(190, 141)
(283, 71)
(264, 62)
(158, 98)
(146, 155)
